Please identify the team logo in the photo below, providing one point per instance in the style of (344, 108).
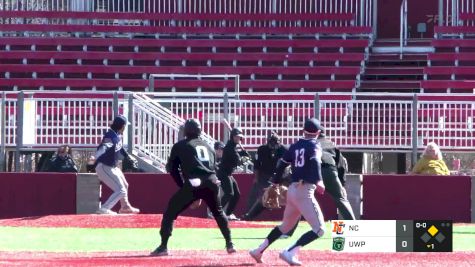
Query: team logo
(338, 227)
(338, 243)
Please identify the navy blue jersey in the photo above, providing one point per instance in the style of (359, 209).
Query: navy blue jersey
(305, 156)
(110, 150)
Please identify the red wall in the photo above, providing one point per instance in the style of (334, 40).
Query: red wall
(418, 11)
(151, 192)
(38, 194)
(404, 197)
(384, 196)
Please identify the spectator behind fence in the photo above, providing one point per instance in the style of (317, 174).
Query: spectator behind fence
(431, 162)
(62, 161)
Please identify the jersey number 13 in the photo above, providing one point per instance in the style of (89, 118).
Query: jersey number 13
(300, 157)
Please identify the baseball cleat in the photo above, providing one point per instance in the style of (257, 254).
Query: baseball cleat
(289, 258)
(256, 255)
(129, 210)
(230, 248)
(106, 211)
(160, 251)
(233, 217)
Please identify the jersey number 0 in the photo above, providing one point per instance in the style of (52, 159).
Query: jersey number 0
(202, 153)
(300, 157)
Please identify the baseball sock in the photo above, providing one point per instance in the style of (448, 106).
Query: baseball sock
(164, 241)
(273, 236)
(305, 239)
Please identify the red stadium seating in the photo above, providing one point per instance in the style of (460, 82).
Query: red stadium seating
(302, 23)
(358, 44)
(284, 52)
(126, 63)
(152, 56)
(451, 68)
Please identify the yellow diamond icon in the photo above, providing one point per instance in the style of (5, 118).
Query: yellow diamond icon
(433, 230)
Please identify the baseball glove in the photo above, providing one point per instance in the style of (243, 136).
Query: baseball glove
(274, 196)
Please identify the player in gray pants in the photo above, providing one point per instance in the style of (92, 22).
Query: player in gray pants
(108, 153)
(305, 158)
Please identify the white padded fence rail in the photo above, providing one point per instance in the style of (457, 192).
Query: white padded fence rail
(354, 121)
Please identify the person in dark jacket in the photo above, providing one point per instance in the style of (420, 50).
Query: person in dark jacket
(63, 161)
(333, 184)
(192, 166)
(108, 153)
(232, 157)
(265, 164)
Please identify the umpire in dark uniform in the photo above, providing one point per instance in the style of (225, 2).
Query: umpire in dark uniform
(265, 164)
(330, 159)
(231, 159)
(198, 181)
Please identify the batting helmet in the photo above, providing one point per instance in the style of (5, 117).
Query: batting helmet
(119, 122)
(236, 132)
(312, 126)
(218, 145)
(273, 139)
(192, 128)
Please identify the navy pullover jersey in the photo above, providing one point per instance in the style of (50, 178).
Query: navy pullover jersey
(305, 157)
(111, 149)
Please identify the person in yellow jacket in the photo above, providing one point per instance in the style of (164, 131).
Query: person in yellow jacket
(431, 162)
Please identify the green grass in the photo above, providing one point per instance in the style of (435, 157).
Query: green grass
(117, 239)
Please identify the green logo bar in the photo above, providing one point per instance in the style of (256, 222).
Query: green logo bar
(338, 243)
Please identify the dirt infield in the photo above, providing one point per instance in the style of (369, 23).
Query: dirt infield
(119, 221)
(220, 258)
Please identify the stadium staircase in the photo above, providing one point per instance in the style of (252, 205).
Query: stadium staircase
(153, 120)
(387, 71)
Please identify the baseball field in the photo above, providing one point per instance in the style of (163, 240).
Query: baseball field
(126, 240)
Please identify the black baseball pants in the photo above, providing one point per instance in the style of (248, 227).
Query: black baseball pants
(334, 187)
(184, 197)
(231, 194)
(255, 199)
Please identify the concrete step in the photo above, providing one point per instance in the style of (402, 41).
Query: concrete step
(396, 42)
(407, 49)
(388, 85)
(396, 71)
(392, 57)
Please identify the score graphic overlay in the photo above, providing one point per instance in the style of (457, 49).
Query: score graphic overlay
(432, 236)
(391, 236)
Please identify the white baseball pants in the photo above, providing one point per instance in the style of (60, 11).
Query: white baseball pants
(115, 180)
(301, 201)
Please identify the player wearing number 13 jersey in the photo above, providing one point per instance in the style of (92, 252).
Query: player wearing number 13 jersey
(305, 156)
(197, 180)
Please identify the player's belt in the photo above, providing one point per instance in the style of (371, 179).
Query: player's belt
(302, 182)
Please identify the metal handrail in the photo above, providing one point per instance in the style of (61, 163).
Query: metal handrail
(403, 33)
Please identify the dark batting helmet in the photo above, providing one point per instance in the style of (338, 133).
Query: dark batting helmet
(119, 122)
(273, 139)
(192, 128)
(218, 145)
(236, 132)
(312, 126)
